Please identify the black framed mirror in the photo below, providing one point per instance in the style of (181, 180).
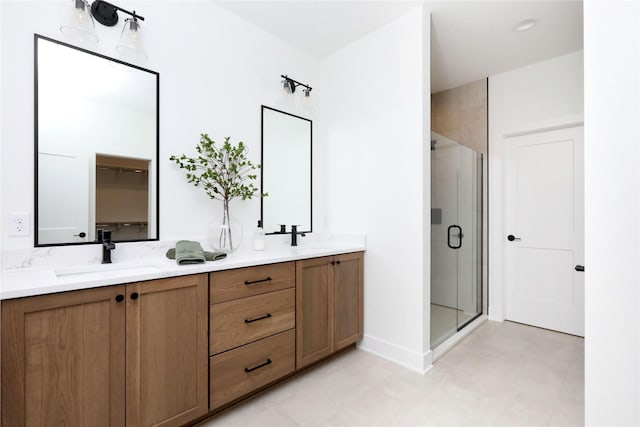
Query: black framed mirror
(286, 171)
(96, 147)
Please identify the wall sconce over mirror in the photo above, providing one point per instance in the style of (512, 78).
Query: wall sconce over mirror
(290, 85)
(81, 26)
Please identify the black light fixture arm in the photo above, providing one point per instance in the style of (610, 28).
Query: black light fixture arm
(106, 13)
(296, 83)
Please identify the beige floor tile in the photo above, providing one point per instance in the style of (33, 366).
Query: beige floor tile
(503, 374)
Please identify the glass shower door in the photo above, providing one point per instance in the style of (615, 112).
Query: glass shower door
(456, 237)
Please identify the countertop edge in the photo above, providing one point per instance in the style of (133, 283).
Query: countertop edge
(43, 281)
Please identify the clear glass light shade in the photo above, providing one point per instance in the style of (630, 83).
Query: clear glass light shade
(131, 44)
(80, 25)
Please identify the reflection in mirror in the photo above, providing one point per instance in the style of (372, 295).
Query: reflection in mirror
(286, 171)
(97, 147)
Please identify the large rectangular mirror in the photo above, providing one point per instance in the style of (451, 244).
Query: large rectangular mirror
(96, 147)
(286, 171)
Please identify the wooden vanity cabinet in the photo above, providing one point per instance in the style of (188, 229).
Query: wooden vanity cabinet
(69, 359)
(329, 301)
(252, 323)
(166, 354)
(63, 359)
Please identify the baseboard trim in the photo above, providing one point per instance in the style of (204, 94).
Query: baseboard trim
(418, 362)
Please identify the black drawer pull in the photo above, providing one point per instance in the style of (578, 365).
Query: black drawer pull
(134, 295)
(268, 362)
(579, 268)
(253, 282)
(266, 316)
(119, 298)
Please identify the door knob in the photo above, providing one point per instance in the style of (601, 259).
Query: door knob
(579, 268)
(511, 238)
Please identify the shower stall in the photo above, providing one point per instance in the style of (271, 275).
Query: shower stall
(456, 237)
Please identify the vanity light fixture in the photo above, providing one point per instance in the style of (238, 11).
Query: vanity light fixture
(80, 25)
(130, 44)
(290, 85)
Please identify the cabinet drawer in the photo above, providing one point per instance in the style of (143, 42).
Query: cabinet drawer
(242, 370)
(238, 322)
(245, 282)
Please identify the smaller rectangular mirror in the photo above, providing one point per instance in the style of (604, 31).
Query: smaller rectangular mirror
(286, 171)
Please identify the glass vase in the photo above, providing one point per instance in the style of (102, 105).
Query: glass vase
(227, 234)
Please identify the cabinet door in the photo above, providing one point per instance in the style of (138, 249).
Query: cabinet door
(167, 351)
(348, 297)
(314, 310)
(63, 359)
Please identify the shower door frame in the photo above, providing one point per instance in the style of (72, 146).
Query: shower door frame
(478, 226)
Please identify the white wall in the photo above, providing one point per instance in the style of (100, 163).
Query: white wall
(215, 71)
(612, 213)
(370, 147)
(542, 94)
(375, 128)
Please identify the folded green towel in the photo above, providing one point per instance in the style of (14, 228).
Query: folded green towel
(189, 252)
(209, 256)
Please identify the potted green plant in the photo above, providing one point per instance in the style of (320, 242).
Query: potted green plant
(225, 173)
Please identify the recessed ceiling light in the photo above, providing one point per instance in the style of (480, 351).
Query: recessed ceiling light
(525, 25)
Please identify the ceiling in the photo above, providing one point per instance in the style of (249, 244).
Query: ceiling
(470, 40)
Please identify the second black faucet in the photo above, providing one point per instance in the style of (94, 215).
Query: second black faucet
(294, 235)
(104, 237)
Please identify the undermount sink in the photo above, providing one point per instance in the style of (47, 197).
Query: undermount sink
(104, 269)
(309, 248)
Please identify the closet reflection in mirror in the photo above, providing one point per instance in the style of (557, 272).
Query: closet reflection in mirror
(286, 171)
(96, 145)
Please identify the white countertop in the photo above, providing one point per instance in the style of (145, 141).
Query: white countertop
(23, 282)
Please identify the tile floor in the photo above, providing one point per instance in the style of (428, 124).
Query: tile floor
(503, 374)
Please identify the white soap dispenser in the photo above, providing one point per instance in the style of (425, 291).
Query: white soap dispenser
(258, 242)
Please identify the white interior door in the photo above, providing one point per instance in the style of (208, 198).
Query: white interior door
(63, 211)
(545, 217)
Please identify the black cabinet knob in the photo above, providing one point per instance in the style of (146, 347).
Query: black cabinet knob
(119, 298)
(579, 268)
(134, 295)
(511, 238)
(81, 234)
(338, 262)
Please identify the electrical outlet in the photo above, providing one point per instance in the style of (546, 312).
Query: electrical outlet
(19, 224)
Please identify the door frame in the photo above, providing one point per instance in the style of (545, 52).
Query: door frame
(497, 207)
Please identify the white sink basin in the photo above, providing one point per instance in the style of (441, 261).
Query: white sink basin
(102, 270)
(307, 248)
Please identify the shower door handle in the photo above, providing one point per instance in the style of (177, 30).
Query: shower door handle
(459, 236)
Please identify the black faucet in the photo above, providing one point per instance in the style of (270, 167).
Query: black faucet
(294, 235)
(104, 237)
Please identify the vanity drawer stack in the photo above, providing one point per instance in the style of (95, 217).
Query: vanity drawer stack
(252, 329)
